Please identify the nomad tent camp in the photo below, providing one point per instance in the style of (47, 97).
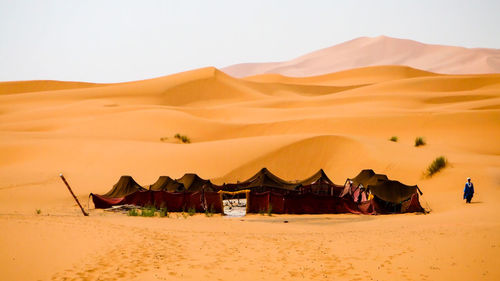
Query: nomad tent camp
(366, 193)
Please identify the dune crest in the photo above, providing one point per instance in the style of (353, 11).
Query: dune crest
(381, 50)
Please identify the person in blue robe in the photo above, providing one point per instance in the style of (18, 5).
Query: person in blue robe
(468, 190)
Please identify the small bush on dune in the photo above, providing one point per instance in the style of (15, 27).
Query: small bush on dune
(419, 141)
(436, 165)
(182, 138)
(38, 211)
(394, 139)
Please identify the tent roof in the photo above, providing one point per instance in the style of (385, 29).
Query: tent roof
(319, 177)
(392, 191)
(126, 185)
(165, 183)
(264, 178)
(368, 177)
(383, 188)
(192, 182)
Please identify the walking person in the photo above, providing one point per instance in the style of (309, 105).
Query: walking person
(468, 190)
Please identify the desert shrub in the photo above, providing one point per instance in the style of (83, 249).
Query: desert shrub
(182, 138)
(191, 211)
(133, 212)
(38, 211)
(164, 139)
(394, 138)
(163, 212)
(270, 210)
(209, 212)
(148, 212)
(436, 165)
(419, 141)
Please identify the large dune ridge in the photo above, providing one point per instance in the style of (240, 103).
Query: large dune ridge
(380, 50)
(341, 122)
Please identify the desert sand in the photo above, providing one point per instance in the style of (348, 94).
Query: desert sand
(341, 122)
(380, 50)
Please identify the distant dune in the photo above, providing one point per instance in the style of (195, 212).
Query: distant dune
(381, 50)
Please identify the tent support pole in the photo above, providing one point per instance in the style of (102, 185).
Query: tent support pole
(71, 191)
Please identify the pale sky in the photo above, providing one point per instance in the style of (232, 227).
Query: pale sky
(114, 41)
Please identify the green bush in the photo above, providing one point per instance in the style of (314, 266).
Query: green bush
(419, 141)
(210, 211)
(394, 138)
(133, 212)
(436, 165)
(163, 212)
(191, 211)
(148, 212)
(270, 210)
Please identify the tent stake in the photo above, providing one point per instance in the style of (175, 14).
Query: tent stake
(71, 191)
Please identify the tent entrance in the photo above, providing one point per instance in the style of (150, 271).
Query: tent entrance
(235, 203)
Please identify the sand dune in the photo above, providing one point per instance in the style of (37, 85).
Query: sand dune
(381, 50)
(340, 122)
(41, 85)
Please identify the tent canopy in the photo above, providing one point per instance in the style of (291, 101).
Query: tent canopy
(126, 185)
(264, 178)
(392, 191)
(368, 177)
(319, 177)
(192, 182)
(165, 183)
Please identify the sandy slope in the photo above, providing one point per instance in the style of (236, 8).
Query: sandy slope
(340, 122)
(381, 50)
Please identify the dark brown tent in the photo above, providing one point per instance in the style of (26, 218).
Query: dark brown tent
(389, 194)
(264, 180)
(193, 183)
(126, 185)
(165, 183)
(392, 191)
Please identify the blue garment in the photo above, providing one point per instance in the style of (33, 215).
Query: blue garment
(468, 190)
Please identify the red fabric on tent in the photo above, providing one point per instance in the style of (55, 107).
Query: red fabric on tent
(363, 197)
(313, 204)
(174, 202)
(194, 200)
(139, 198)
(367, 207)
(103, 202)
(213, 202)
(355, 194)
(412, 205)
(258, 202)
(346, 205)
(277, 202)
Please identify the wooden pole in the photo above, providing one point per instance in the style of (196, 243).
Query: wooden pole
(71, 191)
